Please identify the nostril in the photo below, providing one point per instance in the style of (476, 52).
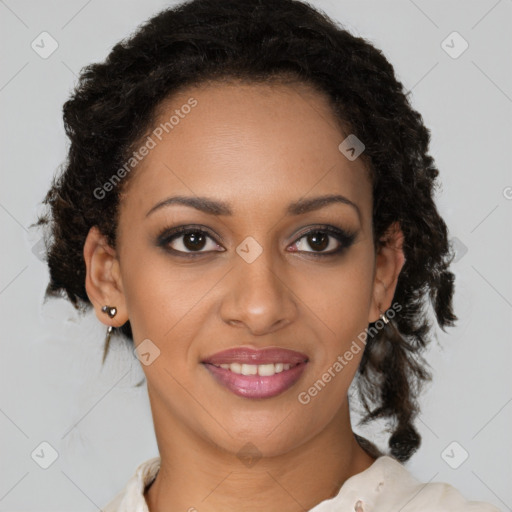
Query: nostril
(358, 507)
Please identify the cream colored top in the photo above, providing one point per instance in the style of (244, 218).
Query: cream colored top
(386, 486)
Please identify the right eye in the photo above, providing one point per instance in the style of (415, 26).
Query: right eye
(187, 240)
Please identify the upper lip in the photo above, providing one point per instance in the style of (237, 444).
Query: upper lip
(245, 355)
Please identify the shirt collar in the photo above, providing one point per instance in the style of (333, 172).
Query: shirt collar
(385, 486)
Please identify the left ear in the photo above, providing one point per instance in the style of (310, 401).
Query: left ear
(389, 262)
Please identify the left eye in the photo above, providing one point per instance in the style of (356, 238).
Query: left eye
(324, 241)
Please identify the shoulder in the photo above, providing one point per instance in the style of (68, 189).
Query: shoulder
(399, 490)
(387, 486)
(114, 504)
(131, 498)
(441, 497)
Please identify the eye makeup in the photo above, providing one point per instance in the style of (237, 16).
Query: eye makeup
(193, 235)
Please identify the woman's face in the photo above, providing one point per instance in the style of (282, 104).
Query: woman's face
(248, 275)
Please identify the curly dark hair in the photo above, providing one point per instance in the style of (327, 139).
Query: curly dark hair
(116, 101)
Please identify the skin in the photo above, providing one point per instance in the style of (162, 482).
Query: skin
(259, 148)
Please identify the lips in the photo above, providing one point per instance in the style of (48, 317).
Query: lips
(256, 373)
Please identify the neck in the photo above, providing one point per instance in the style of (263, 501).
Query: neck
(196, 475)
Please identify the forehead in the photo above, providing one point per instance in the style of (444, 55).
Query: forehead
(246, 144)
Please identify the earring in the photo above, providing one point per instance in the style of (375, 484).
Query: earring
(384, 318)
(111, 311)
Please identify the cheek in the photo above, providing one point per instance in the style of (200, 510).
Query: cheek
(341, 295)
(163, 299)
(337, 310)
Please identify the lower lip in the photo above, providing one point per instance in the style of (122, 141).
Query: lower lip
(256, 386)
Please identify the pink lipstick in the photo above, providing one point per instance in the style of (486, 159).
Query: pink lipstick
(254, 373)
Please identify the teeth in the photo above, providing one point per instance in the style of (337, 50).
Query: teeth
(235, 367)
(264, 370)
(249, 369)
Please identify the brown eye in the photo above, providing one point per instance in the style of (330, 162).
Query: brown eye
(194, 241)
(325, 241)
(318, 240)
(187, 240)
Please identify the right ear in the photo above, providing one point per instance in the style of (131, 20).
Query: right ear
(103, 282)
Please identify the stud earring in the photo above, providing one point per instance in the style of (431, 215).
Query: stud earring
(384, 318)
(111, 311)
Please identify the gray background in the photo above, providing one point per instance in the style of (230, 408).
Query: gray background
(53, 388)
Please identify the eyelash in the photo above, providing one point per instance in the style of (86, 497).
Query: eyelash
(168, 235)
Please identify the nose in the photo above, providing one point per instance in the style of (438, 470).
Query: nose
(259, 296)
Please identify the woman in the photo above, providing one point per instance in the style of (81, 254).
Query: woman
(248, 199)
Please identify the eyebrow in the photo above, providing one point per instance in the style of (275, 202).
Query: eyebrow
(215, 207)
